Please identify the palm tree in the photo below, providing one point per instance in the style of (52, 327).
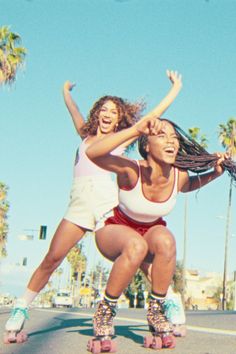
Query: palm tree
(78, 263)
(227, 137)
(195, 134)
(4, 206)
(11, 55)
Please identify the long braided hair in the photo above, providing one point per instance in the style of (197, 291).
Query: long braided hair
(191, 155)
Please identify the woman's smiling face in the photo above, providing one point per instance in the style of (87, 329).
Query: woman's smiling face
(108, 117)
(164, 145)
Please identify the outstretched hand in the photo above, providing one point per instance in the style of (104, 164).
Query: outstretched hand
(68, 86)
(222, 156)
(175, 78)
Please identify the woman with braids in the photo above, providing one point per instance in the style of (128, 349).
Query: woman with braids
(93, 191)
(134, 233)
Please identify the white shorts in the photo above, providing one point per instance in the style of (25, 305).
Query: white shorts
(90, 199)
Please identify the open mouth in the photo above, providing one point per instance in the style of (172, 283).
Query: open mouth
(106, 122)
(170, 150)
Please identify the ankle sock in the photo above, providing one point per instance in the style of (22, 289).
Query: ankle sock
(29, 296)
(157, 296)
(111, 300)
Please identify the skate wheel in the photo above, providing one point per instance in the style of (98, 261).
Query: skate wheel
(90, 345)
(9, 337)
(168, 341)
(6, 339)
(21, 337)
(147, 341)
(180, 331)
(95, 347)
(113, 346)
(156, 343)
(108, 346)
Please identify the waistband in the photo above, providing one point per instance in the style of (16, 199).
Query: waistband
(97, 178)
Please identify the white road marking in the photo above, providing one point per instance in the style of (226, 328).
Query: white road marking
(127, 319)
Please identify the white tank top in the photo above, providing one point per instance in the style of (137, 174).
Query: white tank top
(137, 207)
(85, 167)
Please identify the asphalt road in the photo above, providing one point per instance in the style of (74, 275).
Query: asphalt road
(62, 331)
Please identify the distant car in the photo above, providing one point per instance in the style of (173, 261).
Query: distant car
(63, 298)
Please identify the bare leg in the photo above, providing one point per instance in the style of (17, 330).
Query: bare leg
(65, 237)
(162, 254)
(127, 249)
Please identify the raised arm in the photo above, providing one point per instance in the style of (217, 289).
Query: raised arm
(191, 183)
(176, 80)
(77, 117)
(100, 151)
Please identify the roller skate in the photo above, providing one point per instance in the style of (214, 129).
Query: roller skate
(14, 327)
(159, 326)
(174, 311)
(103, 329)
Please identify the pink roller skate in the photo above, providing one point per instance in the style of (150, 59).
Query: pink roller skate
(14, 327)
(103, 330)
(159, 326)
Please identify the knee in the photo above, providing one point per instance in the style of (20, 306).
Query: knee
(166, 245)
(136, 250)
(50, 262)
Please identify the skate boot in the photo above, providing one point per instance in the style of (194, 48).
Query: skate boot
(14, 327)
(103, 329)
(174, 311)
(159, 326)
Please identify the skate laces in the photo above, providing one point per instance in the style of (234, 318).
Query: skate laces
(157, 310)
(18, 312)
(105, 313)
(157, 318)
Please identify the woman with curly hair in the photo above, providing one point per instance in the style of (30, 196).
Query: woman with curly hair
(134, 235)
(93, 191)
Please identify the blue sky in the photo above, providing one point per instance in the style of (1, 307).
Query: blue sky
(121, 48)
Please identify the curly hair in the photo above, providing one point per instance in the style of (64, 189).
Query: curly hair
(128, 113)
(191, 155)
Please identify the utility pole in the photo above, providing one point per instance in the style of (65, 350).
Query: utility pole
(185, 249)
(228, 222)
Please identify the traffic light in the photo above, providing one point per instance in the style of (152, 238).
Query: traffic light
(24, 261)
(43, 232)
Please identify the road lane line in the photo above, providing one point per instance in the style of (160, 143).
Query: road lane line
(127, 319)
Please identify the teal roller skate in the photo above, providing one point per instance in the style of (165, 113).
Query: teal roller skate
(14, 327)
(175, 313)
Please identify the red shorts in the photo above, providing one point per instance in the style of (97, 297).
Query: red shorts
(121, 219)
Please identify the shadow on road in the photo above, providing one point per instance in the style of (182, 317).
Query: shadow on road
(124, 331)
